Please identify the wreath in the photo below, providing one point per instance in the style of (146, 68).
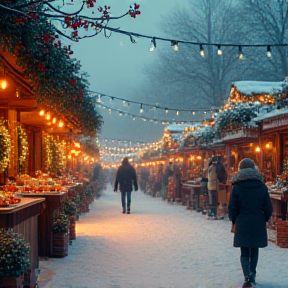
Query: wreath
(5, 146)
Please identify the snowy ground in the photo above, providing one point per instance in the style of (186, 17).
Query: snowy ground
(159, 245)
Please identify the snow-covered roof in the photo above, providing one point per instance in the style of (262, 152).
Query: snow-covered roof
(258, 87)
(179, 127)
(276, 112)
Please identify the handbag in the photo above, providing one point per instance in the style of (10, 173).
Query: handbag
(233, 228)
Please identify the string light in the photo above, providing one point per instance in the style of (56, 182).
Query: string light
(219, 51)
(153, 44)
(177, 112)
(166, 110)
(241, 56)
(141, 109)
(269, 54)
(202, 52)
(174, 45)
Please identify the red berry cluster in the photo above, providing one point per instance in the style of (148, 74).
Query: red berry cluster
(134, 10)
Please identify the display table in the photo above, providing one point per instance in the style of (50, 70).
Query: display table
(22, 218)
(52, 202)
(279, 202)
(194, 191)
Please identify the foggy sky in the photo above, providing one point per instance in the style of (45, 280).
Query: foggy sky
(116, 65)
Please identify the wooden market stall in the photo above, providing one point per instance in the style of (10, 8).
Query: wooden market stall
(23, 219)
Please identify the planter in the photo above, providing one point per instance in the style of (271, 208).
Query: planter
(60, 245)
(72, 228)
(11, 281)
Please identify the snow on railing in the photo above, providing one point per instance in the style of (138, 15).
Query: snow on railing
(242, 132)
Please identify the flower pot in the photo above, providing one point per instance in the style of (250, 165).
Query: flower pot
(60, 245)
(11, 281)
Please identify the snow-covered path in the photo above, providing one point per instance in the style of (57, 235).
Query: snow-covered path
(159, 245)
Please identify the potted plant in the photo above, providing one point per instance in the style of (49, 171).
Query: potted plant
(60, 234)
(70, 209)
(14, 258)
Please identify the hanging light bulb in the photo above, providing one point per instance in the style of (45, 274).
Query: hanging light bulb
(269, 54)
(153, 44)
(120, 113)
(99, 98)
(193, 113)
(42, 113)
(219, 51)
(141, 109)
(61, 124)
(174, 45)
(202, 52)
(241, 56)
(166, 110)
(54, 120)
(109, 111)
(177, 112)
(4, 81)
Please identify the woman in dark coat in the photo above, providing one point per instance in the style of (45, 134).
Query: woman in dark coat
(250, 208)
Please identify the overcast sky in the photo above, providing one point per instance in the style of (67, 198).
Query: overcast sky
(116, 65)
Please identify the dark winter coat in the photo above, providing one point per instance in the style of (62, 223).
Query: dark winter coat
(126, 177)
(250, 208)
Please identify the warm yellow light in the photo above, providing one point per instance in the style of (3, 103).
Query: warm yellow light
(41, 113)
(199, 157)
(54, 120)
(73, 151)
(3, 84)
(86, 158)
(76, 144)
(48, 117)
(61, 124)
(69, 157)
(257, 149)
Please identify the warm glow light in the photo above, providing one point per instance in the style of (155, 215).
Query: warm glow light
(3, 84)
(54, 120)
(61, 124)
(73, 151)
(48, 117)
(42, 113)
(257, 149)
(69, 157)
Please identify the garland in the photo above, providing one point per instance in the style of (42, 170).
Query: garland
(23, 149)
(55, 154)
(5, 146)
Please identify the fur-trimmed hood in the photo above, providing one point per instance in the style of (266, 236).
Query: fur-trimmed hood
(247, 174)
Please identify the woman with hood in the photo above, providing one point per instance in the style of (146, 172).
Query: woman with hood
(250, 208)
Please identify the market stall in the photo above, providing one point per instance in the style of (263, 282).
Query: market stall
(23, 219)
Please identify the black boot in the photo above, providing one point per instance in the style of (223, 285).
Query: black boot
(247, 282)
(252, 278)
(123, 210)
(128, 211)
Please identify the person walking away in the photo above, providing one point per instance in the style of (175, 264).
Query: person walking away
(249, 208)
(126, 178)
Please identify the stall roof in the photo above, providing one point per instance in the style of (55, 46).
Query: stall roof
(179, 128)
(258, 87)
(276, 112)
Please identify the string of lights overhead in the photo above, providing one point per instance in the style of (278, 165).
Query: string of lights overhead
(142, 105)
(144, 118)
(175, 43)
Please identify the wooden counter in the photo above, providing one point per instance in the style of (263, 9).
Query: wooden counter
(52, 202)
(23, 219)
(194, 191)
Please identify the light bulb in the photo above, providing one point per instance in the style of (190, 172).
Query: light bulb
(202, 52)
(219, 51)
(4, 84)
(174, 45)
(269, 54)
(166, 110)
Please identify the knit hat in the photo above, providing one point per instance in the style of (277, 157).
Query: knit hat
(247, 163)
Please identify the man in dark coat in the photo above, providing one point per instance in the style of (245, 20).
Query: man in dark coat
(126, 177)
(250, 208)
